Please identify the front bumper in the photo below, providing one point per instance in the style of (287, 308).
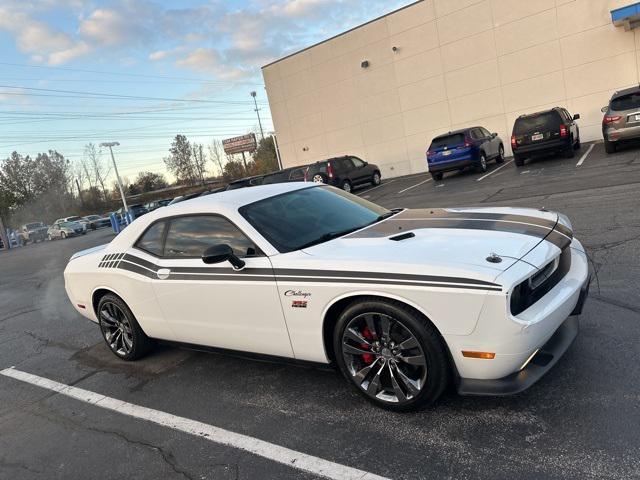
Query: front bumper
(543, 360)
(518, 340)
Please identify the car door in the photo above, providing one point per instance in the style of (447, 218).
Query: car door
(215, 305)
(361, 171)
(491, 142)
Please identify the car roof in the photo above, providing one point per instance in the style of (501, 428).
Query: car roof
(525, 115)
(242, 196)
(455, 132)
(626, 91)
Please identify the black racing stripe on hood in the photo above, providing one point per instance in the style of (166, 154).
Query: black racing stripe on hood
(393, 226)
(419, 214)
(558, 239)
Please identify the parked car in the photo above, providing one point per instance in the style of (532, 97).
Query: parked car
(96, 221)
(75, 219)
(137, 210)
(345, 172)
(151, 206)
(468, 147)
(245, 182)
(621, 119)
(33, 232)
(65, 229)
(543, 133)
(293, 174)
(334, 278)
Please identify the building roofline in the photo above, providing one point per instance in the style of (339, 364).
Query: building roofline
(340, 34)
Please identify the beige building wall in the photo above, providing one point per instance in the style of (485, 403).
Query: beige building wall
(457, 63)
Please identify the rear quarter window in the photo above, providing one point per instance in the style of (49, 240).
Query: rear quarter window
(151, 239)
(626, 102)
(534, 123)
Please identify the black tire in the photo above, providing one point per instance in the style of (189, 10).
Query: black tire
(437, 176)
(577, 145)
(376, 179)
(518, 160)
(481, 166)
(125, 323)
(500, 157)
(569, 151)
(609, 147)
(418, 383)
(346, 186)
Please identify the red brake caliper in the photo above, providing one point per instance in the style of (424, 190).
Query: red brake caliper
(367, 357)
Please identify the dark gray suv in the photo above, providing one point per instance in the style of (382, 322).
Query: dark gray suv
(621, 119)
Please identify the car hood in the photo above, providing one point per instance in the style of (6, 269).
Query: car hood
(448, 239)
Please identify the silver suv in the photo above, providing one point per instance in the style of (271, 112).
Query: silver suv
(621, 119)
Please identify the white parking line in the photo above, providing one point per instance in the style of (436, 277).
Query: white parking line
(276, 453)
(416, 185)
(494, 171)
(382, 184)
(585, 155)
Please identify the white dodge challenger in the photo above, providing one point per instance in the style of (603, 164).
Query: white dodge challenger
(402, 301)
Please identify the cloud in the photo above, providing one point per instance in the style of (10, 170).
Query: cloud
(210, 61)
(41, 41)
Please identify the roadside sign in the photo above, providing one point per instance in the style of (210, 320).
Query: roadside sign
(244, 143)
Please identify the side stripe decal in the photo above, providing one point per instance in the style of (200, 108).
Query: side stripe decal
(142, 267)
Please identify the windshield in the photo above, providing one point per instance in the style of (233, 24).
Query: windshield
(302, 218)
(73, 219)
(31, 226)
(67, 225)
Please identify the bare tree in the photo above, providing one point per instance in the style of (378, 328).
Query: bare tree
(100, 169)
(199, 161)
(216, 152)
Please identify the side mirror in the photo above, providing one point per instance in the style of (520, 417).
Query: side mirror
(576, 116)
(604, 109)
(494, 135)
(221, 253)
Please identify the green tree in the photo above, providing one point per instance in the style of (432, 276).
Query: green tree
(180, 162)
(265, 159)
(148, 182)
(233, 170)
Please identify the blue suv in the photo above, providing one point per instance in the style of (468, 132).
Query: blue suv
(469, 147)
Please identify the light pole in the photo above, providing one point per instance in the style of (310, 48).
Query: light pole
(110, 145)
(255, 102)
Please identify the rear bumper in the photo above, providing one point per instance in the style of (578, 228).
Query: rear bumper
(543, 360)
(450, 166)
(544, 148)
(620, 134)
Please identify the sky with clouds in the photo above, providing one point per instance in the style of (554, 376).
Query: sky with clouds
(139, 71)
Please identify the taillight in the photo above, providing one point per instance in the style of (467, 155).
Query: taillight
(563, 130)
(467, 142)
(610, 119)
(514, 142)
(329, 170)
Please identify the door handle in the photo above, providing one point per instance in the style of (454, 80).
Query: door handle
(163, 273)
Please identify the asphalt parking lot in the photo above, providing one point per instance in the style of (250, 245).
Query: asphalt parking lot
(580, 421)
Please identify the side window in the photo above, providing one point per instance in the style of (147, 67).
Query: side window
(357, 162)
(475, 134)
(485, 132)
(151, 240)
(191, 236)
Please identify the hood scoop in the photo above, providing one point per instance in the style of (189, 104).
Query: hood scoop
(402, 236)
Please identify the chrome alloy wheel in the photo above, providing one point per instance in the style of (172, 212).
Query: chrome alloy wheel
(317, 178)
(384, 357)
(116, 329)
